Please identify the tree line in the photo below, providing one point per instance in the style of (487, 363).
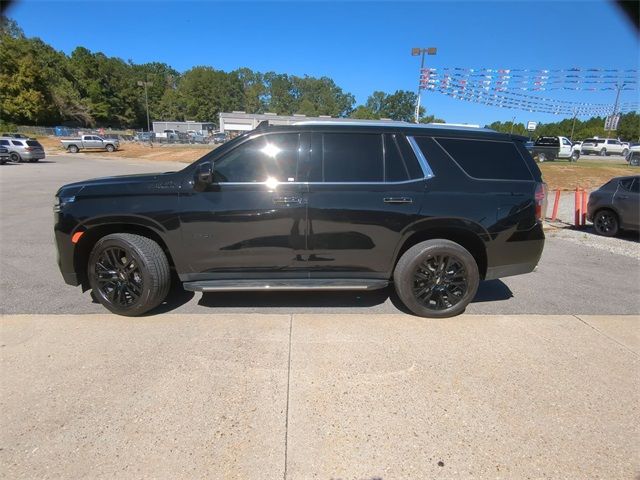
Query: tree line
(42, 86)
(628, 128)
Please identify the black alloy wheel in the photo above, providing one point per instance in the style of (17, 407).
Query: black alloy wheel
(436, 278)
(118, 277)
(129, 274)
(605, 223)
(440, 282)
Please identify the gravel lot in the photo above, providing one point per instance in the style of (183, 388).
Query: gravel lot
(574, 277)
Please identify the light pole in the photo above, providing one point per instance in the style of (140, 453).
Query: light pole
(146, 99)
(415, 52)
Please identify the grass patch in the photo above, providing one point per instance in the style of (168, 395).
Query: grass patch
(583, 174)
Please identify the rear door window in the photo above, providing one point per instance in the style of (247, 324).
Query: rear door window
(352, 157)
(487, 159)
(17, 143)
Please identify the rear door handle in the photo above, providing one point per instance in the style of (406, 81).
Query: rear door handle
(286, 200)
(398, 200)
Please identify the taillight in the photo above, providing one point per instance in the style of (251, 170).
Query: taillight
(541, 200)
(28, 149)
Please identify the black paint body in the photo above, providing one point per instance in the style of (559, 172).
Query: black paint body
(308, 229)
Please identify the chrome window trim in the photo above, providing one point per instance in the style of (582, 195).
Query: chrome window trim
(326, 183)
(424, 164)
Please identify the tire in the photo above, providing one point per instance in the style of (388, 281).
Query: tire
(574, 156)
(15, 157)
(603, 152)
(422, 264)
(606, 223)
(110, 148)
(625, 152)
(133, 286)
(635, 161)
(73, 149)
(542, 157)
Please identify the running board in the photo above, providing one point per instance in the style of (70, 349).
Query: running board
(283, 285)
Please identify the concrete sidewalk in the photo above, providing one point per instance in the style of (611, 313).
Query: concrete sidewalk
(319, 396)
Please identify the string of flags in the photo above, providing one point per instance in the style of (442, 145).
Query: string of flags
(504, 87)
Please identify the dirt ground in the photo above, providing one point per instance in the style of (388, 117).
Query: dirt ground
(161, 152)
(558, 175)
(583, 174)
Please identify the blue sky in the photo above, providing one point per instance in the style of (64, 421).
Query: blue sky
(363, 46)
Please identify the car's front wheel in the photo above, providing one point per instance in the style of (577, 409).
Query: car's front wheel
(436, 278)
(575, 156)
(625, 152)
(129, 274)
(605, 222)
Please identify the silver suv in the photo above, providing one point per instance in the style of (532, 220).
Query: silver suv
(23, 149)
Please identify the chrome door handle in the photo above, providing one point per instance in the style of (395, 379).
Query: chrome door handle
(286, 200)
(398, 200)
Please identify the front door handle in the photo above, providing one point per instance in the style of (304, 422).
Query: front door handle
(286, 200)
(398, 200)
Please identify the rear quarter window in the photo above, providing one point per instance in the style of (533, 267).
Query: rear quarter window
(33, 143)
(487, 159)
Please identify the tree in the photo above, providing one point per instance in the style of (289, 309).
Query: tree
(205, 92)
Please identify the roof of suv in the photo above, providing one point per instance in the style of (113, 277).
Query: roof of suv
(405, 127)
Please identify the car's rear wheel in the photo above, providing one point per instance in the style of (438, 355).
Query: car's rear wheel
(575, 156)
(436, 278)
(542, 157)
(129, 274)
(605, 222)
(15, 157)
(625, 152)
(73, 149)
(603, 152)
(110, 148)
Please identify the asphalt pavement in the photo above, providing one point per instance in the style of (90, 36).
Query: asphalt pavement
(575, 275)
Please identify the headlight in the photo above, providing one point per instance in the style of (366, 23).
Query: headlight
(62, 202)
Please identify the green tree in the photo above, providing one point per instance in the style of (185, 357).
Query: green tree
(205, 92)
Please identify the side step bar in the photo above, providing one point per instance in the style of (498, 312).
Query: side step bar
(282, 285)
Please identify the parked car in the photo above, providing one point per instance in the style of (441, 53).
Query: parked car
(550, 148)
(432, 210)
(633, 157)
(145, 137)
(169, 136)
(93, 142)
(14, 135)
(615, 206)
(219, 137)
(195, 137)
(23, 149)
(4, 155)
(604, 147)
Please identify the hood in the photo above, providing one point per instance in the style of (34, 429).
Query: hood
(148, 180)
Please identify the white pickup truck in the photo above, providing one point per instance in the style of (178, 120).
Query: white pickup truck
(550, 148)
(169, 136)
(74, 145)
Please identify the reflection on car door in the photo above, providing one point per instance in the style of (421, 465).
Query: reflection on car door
(252, 220)
(362, 196)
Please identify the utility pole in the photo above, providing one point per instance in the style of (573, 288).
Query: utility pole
(415, 52)
(573, 127)
(146, 99)
(513, 122)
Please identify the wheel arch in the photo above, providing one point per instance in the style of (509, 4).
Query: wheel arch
(94, 233)
(464, 233)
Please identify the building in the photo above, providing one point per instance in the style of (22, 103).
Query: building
(236, 122)
(206, 127)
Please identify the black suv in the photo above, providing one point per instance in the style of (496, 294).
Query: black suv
(313, 206)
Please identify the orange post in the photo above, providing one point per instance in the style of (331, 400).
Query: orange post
(584, 207)
(556, 203)
(576, 208)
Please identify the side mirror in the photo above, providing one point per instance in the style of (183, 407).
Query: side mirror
(204, 176)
